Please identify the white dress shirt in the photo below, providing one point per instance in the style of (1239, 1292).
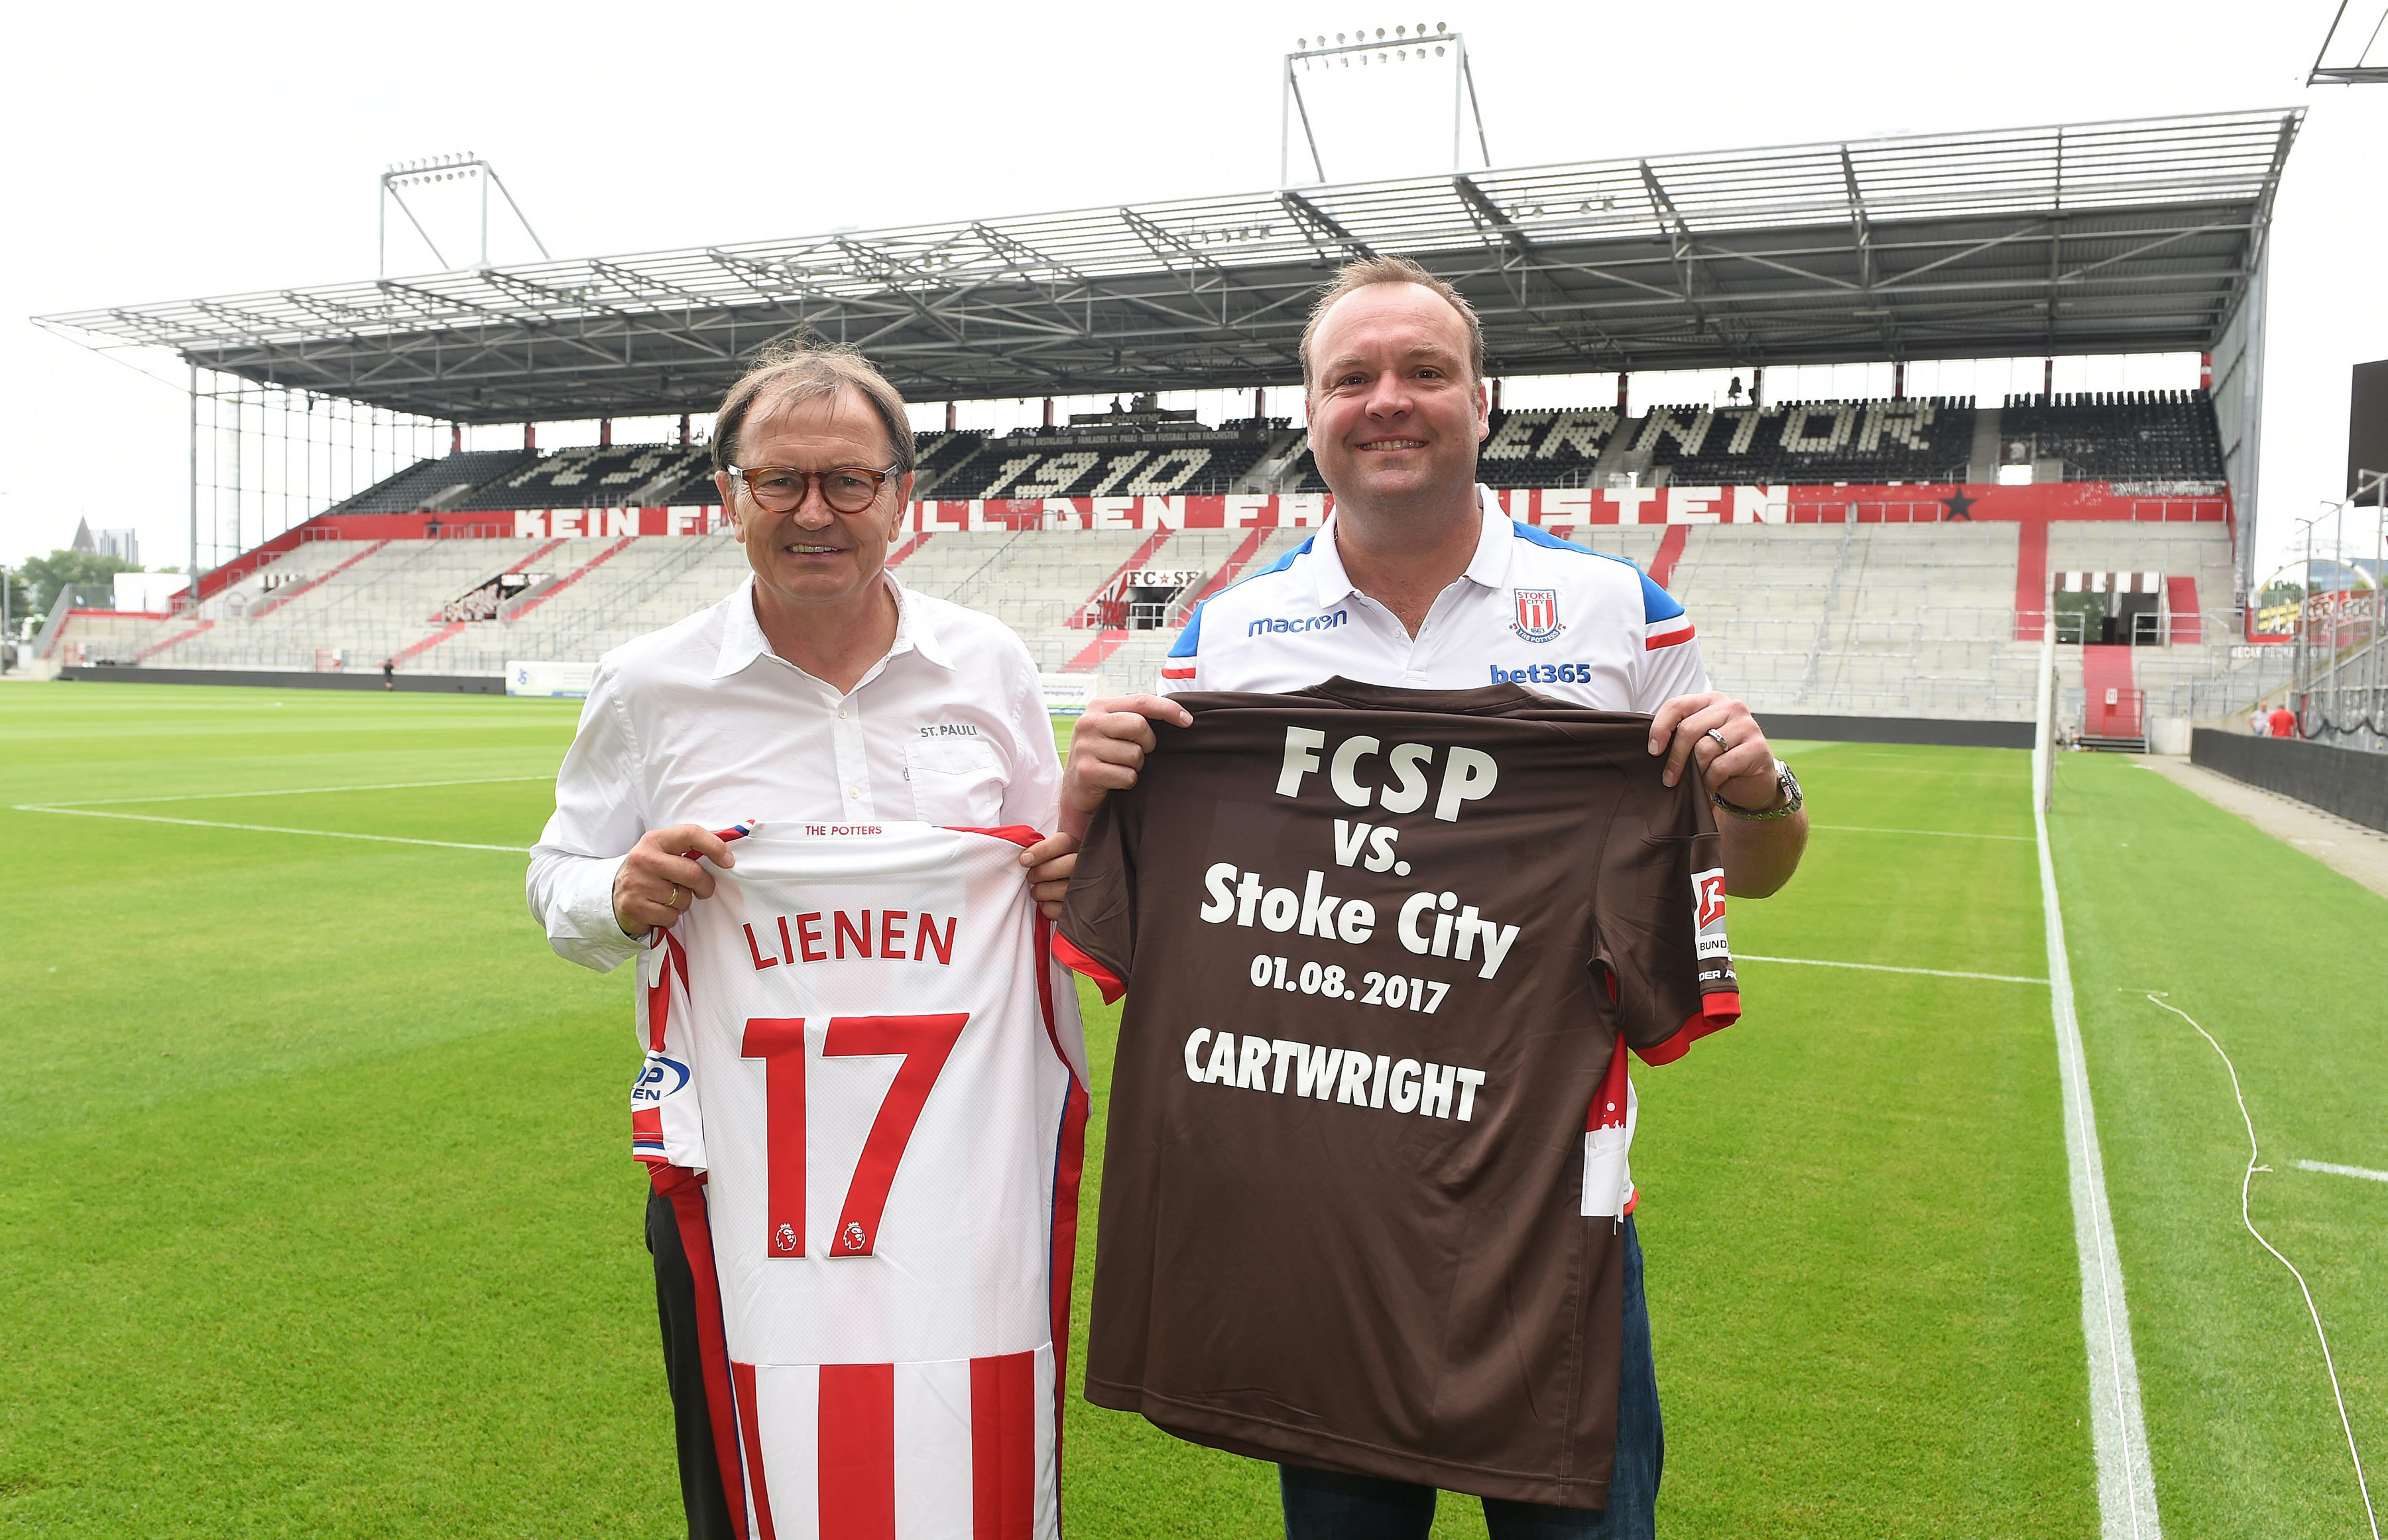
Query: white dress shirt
(702, 722)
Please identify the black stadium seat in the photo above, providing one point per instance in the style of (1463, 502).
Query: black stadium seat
(2118, 436)
(1909, 439)
(590, 477)
(426, 481)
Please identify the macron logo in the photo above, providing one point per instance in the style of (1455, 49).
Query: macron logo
(1280, 625)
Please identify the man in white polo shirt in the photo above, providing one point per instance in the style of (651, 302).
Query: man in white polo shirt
(1418, 579)
(821, 690)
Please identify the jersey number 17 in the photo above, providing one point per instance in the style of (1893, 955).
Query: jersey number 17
(924, 1043)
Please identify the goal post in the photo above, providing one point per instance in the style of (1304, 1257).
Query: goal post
(2043, 738)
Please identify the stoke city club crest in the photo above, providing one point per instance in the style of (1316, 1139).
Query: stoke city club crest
(1538, 613)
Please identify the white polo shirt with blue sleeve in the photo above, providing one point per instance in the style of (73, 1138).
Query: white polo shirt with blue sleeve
(1530, 609)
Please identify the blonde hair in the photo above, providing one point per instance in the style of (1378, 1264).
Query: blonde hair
(800, 369)
(1369, 271)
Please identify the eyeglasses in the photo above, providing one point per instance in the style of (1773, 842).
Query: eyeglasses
(782, 488)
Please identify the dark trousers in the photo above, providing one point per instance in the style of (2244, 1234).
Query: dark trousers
(1326, 1505)
(675, 1306)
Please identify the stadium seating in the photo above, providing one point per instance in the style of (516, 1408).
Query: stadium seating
(1875, 441)
(1886, 619)
(1032, 463)
(1544, 448)
(2133, 436)
(614, 477)
(1840, 618)
(434, 483)
(2116, 436)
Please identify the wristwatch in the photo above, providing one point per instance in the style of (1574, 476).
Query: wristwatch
(1787, 792)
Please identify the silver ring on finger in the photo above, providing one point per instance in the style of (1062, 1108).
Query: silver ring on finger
(1718, 733)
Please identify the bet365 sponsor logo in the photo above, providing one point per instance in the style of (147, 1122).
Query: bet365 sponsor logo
(1544, 673)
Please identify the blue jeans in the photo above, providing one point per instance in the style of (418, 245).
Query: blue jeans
(1326, 1505)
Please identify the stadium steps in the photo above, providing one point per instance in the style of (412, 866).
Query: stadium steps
(156, 649)
(531, 601)
(896, 557)
(1141, 556)
(1237, 560)
(1982, 461)
(2113, 715)
(532, 595)
(1105, 643)
(288, 591)
(1669, 552)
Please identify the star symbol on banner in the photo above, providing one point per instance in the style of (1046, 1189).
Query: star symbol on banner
(1960, 505)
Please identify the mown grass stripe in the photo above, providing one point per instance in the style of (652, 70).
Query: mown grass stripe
(270, 829)
(2364, 1171)
(1887, 968)
(1934, 833)
(280, 791)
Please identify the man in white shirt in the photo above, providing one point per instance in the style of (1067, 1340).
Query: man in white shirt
(821, 691)
(1416, 580)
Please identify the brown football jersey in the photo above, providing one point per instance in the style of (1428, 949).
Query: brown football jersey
(1384, 952)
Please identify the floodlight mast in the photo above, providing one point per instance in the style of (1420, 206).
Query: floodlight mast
(443, 168)
(1405, 42)
(2357, 73)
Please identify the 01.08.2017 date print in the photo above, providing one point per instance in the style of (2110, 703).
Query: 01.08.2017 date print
(1395, 991)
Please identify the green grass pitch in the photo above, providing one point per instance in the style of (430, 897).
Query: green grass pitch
(323, 1220)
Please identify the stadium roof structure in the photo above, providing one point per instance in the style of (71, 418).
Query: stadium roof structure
(2139, 235)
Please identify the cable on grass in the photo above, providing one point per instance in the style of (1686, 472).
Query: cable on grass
(2246, 1179)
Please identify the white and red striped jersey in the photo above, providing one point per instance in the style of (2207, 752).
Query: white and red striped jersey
(865, 1095)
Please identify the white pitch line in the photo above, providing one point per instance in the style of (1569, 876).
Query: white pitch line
(2364, 1171)
(2118, 1434)
(285, 791)
(2246, 1180)
(1887, 968)
(270, 829)
(1937, 833)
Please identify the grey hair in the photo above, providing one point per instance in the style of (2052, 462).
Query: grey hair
(802, 370)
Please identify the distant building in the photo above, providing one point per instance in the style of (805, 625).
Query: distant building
(123, 544)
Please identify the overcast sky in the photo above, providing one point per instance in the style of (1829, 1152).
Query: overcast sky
(162, 152)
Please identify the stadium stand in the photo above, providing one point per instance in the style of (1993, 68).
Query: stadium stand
(2132, 437)
(1898, 619)
(1876, 442)
(2117, 434)
(1167, 461)
(1543, 448)
(437, 483)
(616, 476)
(1860, 619)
